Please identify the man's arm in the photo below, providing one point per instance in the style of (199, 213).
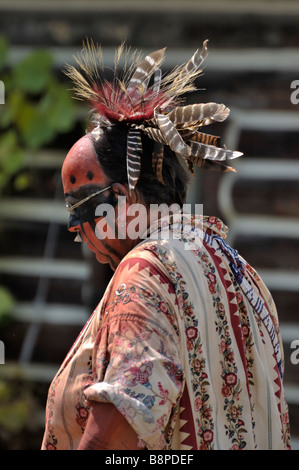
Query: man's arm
(107, 429)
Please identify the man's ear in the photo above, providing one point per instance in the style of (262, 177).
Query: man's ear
(120, 189)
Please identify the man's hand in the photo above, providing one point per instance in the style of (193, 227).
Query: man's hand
(107, 429)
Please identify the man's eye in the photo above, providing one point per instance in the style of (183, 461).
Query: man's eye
(84, 213)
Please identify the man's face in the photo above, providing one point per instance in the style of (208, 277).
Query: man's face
(81, 177)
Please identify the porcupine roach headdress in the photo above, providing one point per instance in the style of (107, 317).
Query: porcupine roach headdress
(149, 103)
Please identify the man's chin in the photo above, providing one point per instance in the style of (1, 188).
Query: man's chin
(101, 258)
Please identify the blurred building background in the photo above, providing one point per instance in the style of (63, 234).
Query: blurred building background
(48, 284)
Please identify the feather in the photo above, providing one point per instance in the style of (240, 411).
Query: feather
(157, 161)
(155, 134)
(148, 102)
(144, 71)
(157, 80)
(203, 113)
(134, 152)
(206, 138)
(181, 80)
(128, 97)
(210, 152)
(171, 135)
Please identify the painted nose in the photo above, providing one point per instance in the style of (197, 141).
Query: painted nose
(74, 223)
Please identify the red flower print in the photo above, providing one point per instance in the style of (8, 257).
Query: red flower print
(226, 391)
(163, 307)
(206, 413)
(235, 447)
(82, 415)
(164, 394)
(191, 333)
(207, 436)
(212, 278)
(188, 310)
(198, 404)
(246, 331)
(212, 288)
(229, 355)
(230, 379)
(239, 297)
(137, 373)
(234, 411)
(180, 302)
(50, 447)
(219, 225)
(135, 297)
(198, 365)
(222, 347)
(203, 447)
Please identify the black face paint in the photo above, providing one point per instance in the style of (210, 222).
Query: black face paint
(87, 211)
(103, 241)
(73, 220)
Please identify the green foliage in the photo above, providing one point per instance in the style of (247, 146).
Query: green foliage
(16, 406)
(3, 52)
(14, 416)
(6, 302)
(37, 108)
(33, 73)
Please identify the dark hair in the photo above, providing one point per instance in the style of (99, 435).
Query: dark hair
(111, 150)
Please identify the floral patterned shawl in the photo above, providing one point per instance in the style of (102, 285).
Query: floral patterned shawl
(185, 343)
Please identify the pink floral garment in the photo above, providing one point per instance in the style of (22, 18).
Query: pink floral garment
(185, 343)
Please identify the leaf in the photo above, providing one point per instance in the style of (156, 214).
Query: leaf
(6, 301)
(14, 416)
(34, 129)
(33, 73)
(58, 108)
(5, 392)
(11, 155)
(3, 51)
(23, 181)
(13, 105)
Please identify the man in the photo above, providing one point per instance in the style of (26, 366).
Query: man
(184, 350)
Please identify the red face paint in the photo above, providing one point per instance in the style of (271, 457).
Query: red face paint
(81, 167)
(80, 170)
